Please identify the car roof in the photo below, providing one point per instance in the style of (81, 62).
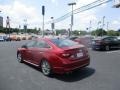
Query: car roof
(49, 39)
(100, 38)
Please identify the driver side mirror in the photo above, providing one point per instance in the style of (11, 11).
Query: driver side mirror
(24, 46)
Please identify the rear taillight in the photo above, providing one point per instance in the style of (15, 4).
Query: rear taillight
(86, 51)
(63, 55)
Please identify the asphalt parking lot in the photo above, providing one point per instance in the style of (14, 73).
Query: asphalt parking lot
(102, 74)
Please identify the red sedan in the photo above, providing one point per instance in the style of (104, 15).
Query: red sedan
(54, 55)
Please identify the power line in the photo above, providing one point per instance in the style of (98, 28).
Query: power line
(92, 5)
(81, 9)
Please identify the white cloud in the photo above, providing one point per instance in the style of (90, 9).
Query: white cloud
(83, 2)
(55, 2)
(82, 19)
(116, 22)
(18, 11)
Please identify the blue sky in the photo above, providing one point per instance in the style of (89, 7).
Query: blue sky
(18, 10)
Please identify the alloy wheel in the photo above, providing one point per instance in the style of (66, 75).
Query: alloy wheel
(107, 48)
(46, 69)
(19, 57)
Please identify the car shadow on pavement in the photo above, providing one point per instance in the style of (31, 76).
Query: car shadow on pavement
(113, 49)
(76, 75)
(70, 77)
(32, 66)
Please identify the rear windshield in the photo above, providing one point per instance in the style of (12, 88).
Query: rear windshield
(64, 42)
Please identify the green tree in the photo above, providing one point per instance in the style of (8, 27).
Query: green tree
(112, 33)
(83, 32)
(99, 32)
(76, 32)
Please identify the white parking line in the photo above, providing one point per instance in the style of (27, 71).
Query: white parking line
(118, 51)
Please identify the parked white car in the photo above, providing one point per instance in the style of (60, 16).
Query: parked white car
(2, 38)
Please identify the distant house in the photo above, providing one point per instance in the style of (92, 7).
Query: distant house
(64, 32)
(48, 32)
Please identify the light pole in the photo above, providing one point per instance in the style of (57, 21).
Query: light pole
(103, 25)
(52, 25)
(90, 27)
(71, 4)
(25, 26)
(19, 29)
(43, 13)
(98, 24)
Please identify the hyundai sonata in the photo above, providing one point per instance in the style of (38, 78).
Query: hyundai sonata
(54, 55)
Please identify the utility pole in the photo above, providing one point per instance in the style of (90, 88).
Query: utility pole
(43, 13)
(71, 4)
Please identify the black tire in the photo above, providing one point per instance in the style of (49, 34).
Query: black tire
(19, 57)
(107, 48)
(46, 68)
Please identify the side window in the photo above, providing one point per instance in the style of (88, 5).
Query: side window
(31, 44)
(107, 39)
(42, 44)
(115, 39)
(111, 39)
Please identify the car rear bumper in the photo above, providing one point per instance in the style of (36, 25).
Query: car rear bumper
(72, 66)
(97, 47)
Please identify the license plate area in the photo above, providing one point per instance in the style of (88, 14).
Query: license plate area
(80, 54)
(77, 55)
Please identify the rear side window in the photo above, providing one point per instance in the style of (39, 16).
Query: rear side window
(73, 38)
(111, 39)
(31, 44)
(64, 42)
(115, 39)
(42, 44)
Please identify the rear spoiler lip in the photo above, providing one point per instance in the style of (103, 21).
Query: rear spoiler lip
(74, 47)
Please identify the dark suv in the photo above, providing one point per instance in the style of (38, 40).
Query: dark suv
(105, 43)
